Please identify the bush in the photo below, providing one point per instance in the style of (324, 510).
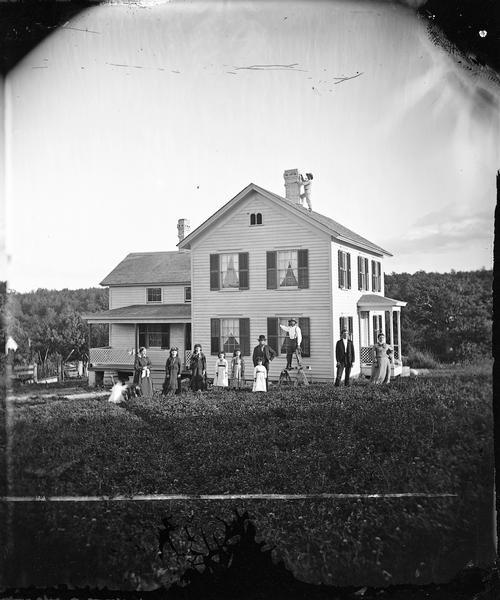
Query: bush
(421, 359)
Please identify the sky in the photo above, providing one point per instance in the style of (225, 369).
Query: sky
(129, 117)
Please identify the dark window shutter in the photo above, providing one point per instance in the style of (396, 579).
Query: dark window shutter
(214, 336)
(142, 335)
(243, 270)
(165, 336)
(339, 257)
(252, 219)
(272, 276)
(259, 218)
(373, 276)
(214, 272)
(304, 324)
(367, 274)
(351, 329)
(303, 264)
(360, 277)
(379, 277)
(272, 333)
(245, 337)
(348, 271)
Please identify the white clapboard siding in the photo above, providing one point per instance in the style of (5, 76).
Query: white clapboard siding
(122, 336)
(280, 230)
(120, 296)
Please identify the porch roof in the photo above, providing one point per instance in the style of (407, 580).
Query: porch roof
(376, 302)
(143, 313)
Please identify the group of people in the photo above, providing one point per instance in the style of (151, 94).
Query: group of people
(233, 370)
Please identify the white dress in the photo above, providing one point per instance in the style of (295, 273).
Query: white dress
(221, 375)
(259, 376)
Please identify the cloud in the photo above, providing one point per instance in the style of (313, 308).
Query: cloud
(450, 228)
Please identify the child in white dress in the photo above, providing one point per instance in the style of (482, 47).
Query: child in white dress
(221, 371)
(259, 377)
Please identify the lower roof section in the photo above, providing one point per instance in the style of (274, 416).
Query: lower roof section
(376, 302)
(143, 313)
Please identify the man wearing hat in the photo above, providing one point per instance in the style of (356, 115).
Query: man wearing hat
(265, 353)
(292, 342)
(344, 354)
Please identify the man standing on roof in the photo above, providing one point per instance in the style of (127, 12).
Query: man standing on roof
(307, 183)
(292, 342)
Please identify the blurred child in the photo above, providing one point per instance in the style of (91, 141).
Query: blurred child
(237, 369)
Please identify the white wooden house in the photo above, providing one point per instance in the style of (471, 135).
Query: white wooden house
(259, 260)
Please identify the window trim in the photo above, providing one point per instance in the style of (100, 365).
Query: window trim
(256, 219)
(216, 342)
(160, 301)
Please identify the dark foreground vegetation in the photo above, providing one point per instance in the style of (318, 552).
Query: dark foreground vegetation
(427, 436)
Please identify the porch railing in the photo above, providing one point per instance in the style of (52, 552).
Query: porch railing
(111, 356)
(366, 354)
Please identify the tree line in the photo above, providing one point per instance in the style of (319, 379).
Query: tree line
(47, 323)
(448, 315)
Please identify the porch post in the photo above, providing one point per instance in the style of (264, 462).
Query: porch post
(136, 336)
(400, 350)
(391, 329)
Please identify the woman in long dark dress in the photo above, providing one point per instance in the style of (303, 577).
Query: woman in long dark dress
(381, 366)
(142, 376)
(198, 367)
(172, 373)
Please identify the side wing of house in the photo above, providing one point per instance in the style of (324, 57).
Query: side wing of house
(355, 272)
(254, 268)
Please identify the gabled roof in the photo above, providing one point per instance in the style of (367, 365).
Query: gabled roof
(143, 313)
(374, 301)
(144, 268)
(336, 230)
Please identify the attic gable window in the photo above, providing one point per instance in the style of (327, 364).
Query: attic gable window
(256, 219)
(344, 259)
(287, 269)
(153, 294)
(229, 271)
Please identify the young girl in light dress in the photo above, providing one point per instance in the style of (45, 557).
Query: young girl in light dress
(259, 377)
(237, 369)
(221, 371)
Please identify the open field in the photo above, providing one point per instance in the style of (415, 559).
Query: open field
(427, 436)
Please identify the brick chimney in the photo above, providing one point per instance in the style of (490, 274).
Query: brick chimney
(183, 228)
(292, 185)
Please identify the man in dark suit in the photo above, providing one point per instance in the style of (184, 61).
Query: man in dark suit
(344, 355)
(264, 352)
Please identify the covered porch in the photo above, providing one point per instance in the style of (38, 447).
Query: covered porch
(378, 314)
(156, 327)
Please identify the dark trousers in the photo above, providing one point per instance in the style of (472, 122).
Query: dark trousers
(291, 349)
(340, 370)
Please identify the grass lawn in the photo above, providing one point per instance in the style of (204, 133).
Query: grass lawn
(428, 435)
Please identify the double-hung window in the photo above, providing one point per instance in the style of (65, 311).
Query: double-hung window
(344, 260)
(376, 276)
(363, 273)
(229, 271)
(287, 269)
(230, 334)
(153, 295)
(154, 335)
(346, 323)
(276, 336)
